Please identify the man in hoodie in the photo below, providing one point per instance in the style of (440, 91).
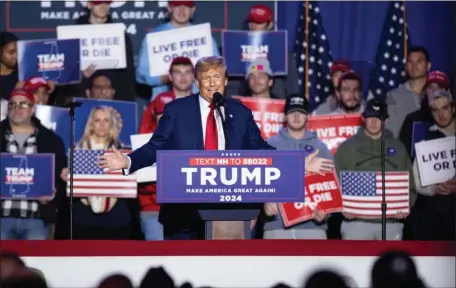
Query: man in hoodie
(295, 136)
(123, 80)
(261, 18)
(436, 80)
(407, 97)
(180, 15)
(362, 153)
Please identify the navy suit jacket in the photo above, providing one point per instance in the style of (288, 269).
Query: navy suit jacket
(180, 128)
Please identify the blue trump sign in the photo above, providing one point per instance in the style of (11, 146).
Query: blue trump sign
(27, 176)
(230, 176)
(419, 134)
(56, 60)
(242, 47)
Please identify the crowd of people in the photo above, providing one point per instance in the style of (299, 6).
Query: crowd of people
(393, 269)
(424, 97)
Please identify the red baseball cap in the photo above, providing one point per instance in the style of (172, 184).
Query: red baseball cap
(260, 14)
(183, 3)
(100, 2)
(34, 83)
(22, 92)
(438, 77)
(340, 66)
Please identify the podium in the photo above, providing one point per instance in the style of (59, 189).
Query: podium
(226, 212)
(230, 186)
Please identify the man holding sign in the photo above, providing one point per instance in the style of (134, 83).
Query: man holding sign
(176, 131)
(359, 165)
(293, 137)
(180, 14)
(28, 213)
(434, 215)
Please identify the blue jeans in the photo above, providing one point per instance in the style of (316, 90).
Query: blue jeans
(23, 229)
(150, 226)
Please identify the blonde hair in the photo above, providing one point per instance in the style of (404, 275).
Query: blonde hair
(114, 130)
(211, 62)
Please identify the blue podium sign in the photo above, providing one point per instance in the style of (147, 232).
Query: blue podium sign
(250, 176)
(242, 47)
(27, 176)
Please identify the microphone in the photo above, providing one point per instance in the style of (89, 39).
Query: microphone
(218, 101)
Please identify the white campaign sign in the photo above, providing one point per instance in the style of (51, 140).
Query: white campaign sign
(102, 45)
(436, 160)
(148, 174)
(193, 42)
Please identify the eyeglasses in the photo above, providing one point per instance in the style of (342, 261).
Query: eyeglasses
(20, 105)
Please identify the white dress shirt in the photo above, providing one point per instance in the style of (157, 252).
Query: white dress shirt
(204, 108)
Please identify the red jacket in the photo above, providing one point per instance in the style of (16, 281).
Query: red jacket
(147, 193)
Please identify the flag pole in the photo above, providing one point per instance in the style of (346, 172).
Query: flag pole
(306, 75)
(404, 15)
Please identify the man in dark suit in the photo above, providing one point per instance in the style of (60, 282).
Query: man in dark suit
(190, 123)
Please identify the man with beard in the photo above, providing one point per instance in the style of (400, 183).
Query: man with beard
(434, 215)
(295, 136)
(349, 94)
(407, 97)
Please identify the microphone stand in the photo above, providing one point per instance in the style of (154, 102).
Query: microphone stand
(383, 160)
(71, 111)
(217, 105)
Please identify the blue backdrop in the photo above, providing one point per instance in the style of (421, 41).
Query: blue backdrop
(353, 28)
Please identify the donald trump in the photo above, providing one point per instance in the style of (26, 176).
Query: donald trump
(192, 123)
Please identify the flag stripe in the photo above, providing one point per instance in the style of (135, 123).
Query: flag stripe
(90, 180)
(362, 192)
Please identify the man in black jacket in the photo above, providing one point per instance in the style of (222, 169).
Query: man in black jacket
(22, 133)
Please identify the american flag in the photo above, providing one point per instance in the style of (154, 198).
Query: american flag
(312, 53)
(90, 180)
(389, 69)
(362, 193)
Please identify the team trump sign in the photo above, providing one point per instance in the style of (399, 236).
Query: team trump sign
(230, 176)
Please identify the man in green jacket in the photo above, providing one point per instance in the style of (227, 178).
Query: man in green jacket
(362, 153)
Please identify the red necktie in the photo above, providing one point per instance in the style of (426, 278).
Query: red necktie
(211, 141)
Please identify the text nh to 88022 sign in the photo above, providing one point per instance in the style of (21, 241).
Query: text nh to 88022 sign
(230, 176)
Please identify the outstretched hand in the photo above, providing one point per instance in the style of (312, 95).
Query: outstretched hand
(318, 165)
(114, 161)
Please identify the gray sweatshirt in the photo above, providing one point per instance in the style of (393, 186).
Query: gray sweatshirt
(401, 102)
(310, 142)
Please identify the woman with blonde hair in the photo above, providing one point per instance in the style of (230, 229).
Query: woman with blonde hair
(102, 129)
(98, 217)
